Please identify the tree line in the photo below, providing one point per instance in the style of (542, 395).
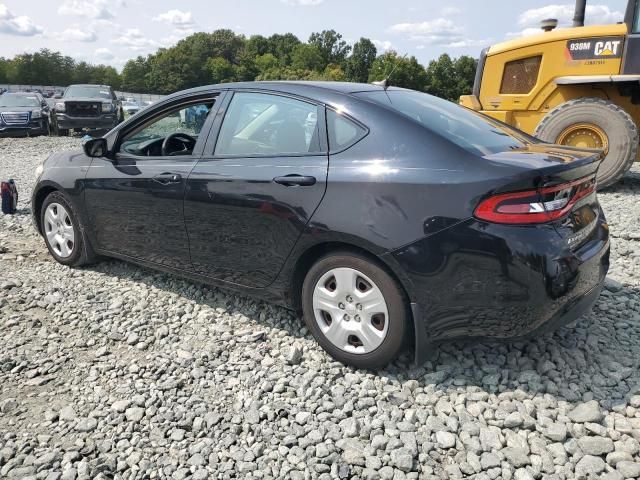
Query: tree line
(224, 56)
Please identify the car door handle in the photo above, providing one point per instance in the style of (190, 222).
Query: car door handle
(167, 178)
(295, 180)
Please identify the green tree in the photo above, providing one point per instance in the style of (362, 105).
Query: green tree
(134, 75)
(401, 71)
(359, 63)
(282, 47)
(449, 78)
(4, 67)
(257, 45)
(307, 57)
(331, 46)
(266, 62)
(220, 70)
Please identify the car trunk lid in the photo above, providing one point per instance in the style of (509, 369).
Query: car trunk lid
(558, 187)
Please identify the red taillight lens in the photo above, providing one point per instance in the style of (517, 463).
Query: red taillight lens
(534, 206)
(4, 187)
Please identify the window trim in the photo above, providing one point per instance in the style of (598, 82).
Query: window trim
(352, 119)
(210, 147)
(140, 123)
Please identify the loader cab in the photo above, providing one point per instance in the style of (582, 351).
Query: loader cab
(631, 63)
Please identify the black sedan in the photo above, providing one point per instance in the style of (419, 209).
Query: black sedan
(25, 113)
(382, 214)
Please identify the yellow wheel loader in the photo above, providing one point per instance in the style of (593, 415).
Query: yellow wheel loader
(575, 86)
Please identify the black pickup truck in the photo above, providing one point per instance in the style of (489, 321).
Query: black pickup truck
(88, 107)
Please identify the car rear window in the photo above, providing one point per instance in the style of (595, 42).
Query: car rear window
(470, 130)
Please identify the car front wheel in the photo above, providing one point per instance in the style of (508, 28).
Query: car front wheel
(355, 310)
(62, 233)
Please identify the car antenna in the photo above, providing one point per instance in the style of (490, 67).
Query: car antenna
(385, 82)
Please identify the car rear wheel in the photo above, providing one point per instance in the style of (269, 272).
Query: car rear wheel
(64, 237)
(594, 123)
(355, 310)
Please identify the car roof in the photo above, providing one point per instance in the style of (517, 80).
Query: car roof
(88, 85)
(291, 86)
(22, 94)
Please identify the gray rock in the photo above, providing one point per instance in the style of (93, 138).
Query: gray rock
(628, 469)
(67, 414)
(516, 456)
(556, 432)
(402, 459)
(86, 424)
(134, 414)
(595, 445)
(586, 412)
(294, 354)
(589, 465)
(446, 439)
(120, 405)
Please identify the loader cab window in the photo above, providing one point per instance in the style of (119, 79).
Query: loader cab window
(520, 76)
(636, 19)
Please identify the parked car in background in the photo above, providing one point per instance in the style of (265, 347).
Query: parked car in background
(25, 114)
(88, 107)
(383, 214)
(130, 107)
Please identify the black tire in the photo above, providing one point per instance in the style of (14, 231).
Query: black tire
(609, 117)
(63, 132)
(82, 253)
(396, 305)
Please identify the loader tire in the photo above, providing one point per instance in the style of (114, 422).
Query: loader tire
(618, 126)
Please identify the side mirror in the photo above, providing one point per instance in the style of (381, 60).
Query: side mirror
(96, 147)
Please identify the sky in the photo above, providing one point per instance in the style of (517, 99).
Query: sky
(113, 31)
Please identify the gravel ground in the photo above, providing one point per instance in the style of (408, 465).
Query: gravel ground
(114, 371)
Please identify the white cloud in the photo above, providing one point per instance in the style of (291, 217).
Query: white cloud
(75, 34)
(440, 31)
(104, 54)
(98, 9)
(134, 39)
(530, 19)
(305, 3)
(177, 18)
(383, 45)
(17, 24)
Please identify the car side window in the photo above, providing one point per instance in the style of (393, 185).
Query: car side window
(343, 132)
(173, 133)
(265, 124)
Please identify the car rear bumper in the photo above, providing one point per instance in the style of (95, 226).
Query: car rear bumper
(67, 122)
(488, 281)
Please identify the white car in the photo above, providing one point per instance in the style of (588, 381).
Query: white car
(130, 107)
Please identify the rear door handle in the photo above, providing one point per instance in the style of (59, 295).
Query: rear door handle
(295, 180)
(167, 178)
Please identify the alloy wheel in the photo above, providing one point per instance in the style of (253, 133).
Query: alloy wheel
(58, 228)
(350, 310)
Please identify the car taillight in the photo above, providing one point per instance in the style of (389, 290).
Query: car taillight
(535, 206)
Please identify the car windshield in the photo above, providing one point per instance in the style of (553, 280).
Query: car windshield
(87, 91)
(472, 131)
(9, 100)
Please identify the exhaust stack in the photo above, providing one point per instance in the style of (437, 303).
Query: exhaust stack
(578, 18)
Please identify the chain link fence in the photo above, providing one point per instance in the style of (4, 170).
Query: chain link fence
(55, 90)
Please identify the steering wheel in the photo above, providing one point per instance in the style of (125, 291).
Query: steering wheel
(188, 142)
